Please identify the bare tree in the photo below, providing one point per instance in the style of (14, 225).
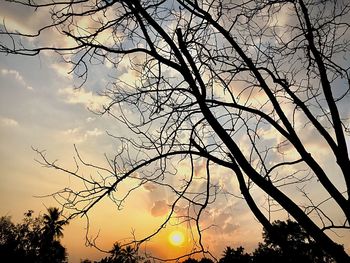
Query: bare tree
(252, 86)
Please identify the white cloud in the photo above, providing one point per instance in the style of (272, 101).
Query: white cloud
(22, 18)
(90, 119)
(17, 76)
(7, 122)
(81, 96)
(78, 135)
(71, 131)
(62, 69)
(95, 132)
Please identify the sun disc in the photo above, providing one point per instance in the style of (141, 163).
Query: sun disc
(176, 238)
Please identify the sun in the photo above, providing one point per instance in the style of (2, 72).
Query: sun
(176, 238)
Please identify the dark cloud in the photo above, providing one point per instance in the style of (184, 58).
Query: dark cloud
(160, 208)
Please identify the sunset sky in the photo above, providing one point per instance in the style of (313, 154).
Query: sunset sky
(40, 108)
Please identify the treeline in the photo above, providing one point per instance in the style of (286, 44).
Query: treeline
(37, 240)
(291, 245)
(34, 240)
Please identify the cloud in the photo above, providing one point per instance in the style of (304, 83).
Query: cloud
(7, 122)
(160, 208)
(17, 76)
(230, 228)
(81, 96)
(95, 132)
(129, 69)
(22, 18)
(90, 119)
(150, 187)
(77, 135)
(62, 69)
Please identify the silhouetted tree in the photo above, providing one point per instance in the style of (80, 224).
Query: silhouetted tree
(129, 255)
(190, 260)
(122, 255)
(21, 242)
(266, 254)
(235, 255)
(9, 245)
(258, 87)
(53, 225)
(293, 245)
(28, 241)
(117, 254)
(51, 249)
(104, 260)
(52, 231)
(206, 260)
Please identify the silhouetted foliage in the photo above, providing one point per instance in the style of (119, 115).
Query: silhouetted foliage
(52, 231)
(206, 260)
(121, 254)
(53, 226)
(117, 253)
(252, 86)
(291, 244)
(296, 247)
(30, 241)
(190, 260)
(235, 255)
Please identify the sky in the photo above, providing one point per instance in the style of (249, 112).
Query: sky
(40, 108)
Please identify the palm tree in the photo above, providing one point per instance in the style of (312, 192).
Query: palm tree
(51, 249)
(53, 225)
(123, 255)
(117, 253)
(129, 254)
